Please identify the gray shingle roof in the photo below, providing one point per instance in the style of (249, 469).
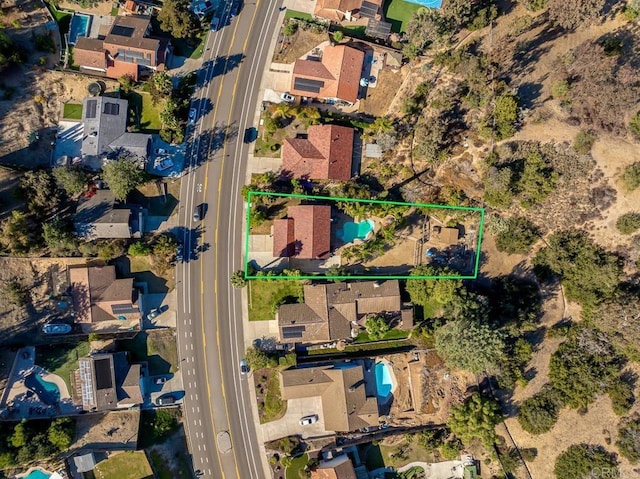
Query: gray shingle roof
(97, 218)
(135, 143)
(104, 119)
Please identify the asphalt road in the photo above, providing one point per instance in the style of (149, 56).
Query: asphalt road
(209, 327)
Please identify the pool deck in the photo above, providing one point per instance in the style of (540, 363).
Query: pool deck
(20, 403)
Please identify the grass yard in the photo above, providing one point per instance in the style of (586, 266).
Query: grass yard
(299, 15)
(265, 294)
(125, 465)
(63, 18)
(61, 359)
(157, 347)
(363, 337)
(149, 195)
(398, 13)
(73, 111)
(146, 115)
(270, 403)
(140, 268)
(294, 471)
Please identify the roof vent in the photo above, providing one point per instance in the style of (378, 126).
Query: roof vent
(377, 284)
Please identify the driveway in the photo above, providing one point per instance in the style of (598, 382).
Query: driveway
(290, 424)
(167, 303)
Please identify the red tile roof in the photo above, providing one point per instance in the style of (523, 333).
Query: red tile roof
(326, 153)
(311, 237)
(339, 71)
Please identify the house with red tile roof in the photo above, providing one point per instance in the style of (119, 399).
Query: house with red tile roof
(335, 77)
(325, 154)
(126, 50)
(304, 234)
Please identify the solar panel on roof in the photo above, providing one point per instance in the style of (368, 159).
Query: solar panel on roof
(304, 84)
(111, 109)
(290, 332)
(378, 29)
(368, 10)
(91, 108)
(122, 31)
(123, 309)
(102, 368)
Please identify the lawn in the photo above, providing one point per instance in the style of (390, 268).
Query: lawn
(398, 13)
(146, 115)
(61, 359)
(149, 195)
(299, 15)
(265, 294)
(63, 18)
(268, 391)
(363, 337)
(294, 471)
(125, 465)
(73, 111)
(158, 348)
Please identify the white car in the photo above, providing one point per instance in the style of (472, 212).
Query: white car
(307, 420)
(164, 164)
(287, 98)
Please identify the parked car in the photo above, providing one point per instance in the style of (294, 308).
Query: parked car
(164, 164)
(179, 253)
(154, 313)
(244, 367)
(161, 380)
(286, 97)
(165, 400)
(197, 216)
(192, 116)
(307, 420)
(215, 21)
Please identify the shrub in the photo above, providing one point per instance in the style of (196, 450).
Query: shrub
(377, 327)
(621, 394)
(15, 293)
(539, 413)
(628, 223)
(290, 29)
(110, 249)
(535, 5)
(476, 419)
(529, 454)
(581, 460)
(506, 115)
(338, 36)
(583, 143)
(139, 248)
(451, 449)
(628, 442)
(517, 236)
(631, 176)
(561, 90)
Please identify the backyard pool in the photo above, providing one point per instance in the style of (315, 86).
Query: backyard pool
(427, 3)
(48, 392)
(37, 474)
(384, 381)
(80, 24)
(351, 230)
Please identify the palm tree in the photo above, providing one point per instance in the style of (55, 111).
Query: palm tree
(284, 110)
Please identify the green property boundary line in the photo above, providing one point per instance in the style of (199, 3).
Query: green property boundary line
(250, 194)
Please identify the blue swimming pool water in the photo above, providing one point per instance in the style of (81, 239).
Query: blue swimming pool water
(351, 230)
(46, 391)
(79, 27)
(384, 384)
(37, 474)
(427, 3)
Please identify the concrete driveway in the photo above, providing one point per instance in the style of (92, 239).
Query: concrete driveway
(290, 423)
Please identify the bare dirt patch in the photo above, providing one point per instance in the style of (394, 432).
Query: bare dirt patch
(102, 8)
(44, 279)
(112, 430)
(289, 49)
(379, 99)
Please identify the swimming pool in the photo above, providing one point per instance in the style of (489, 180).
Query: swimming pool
(79, 27)
(384, 382)
(37, 474)
(351, 230)
(47, 392)
(427, 3)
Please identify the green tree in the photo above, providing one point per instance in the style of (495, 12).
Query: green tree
(256, 358)
(338, 36)
(17, 233)
(20, 436)
(127, 83)
(505, 114)
(238, 280)
(628, 223)
(451, 449)
(584, 366)
(164, 251)
(58, 237)
(39, 189)
(160, 86)
(581, 460)
(61, 433)
(588, 273)
(470, 345)
(377, 327)
(177, 18)
(628, 442)
(139, 248)
(290, 28)
(583, 142)
(517, 237)
(110, 249)
(537, 181)
(631, 176)
(539, 413)
(72, 180)
(498, 187)
(476, 419)
(123, 176)
(424, 291)
(164, 423)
